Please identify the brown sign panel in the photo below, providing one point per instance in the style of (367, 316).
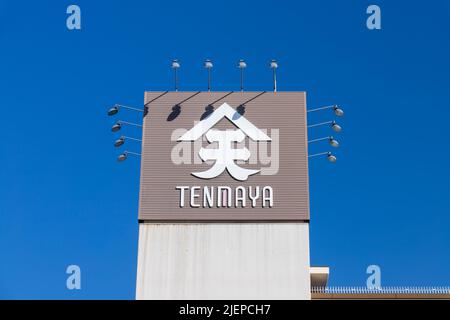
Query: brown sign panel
(224, 156)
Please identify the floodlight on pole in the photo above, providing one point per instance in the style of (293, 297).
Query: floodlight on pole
(336, 109)
(333, 125)
(124, 156)
(175, 66)
(333, 142)
(336, 127)
(116, 108)
(118, 125)
(330, 157)
(242, 65)
(208, 65)
(274, 66)
(119, 142)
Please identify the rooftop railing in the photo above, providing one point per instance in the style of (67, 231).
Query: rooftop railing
(381, 290)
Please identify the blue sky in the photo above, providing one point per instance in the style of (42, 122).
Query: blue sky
(65, 200)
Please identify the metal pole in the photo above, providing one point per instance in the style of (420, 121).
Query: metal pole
(176, 79)
(320, 124)
(321, 108)
(320, 139)
(274, 80)
(130, 108)
(318, 154)
(133, 153)
(209, 79)
(242, 79)
(129, 123)
(131, 138)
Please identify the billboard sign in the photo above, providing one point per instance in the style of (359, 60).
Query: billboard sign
(224, 156)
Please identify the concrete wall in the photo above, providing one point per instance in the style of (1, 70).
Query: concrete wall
(223, 261)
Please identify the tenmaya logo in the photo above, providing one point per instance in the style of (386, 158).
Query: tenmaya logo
(224, 156)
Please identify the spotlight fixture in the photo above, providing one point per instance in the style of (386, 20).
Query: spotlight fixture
(122, 139)
(331, 157)
(118, 125)
(338, 111)
(208, 65)
(334, 125)
(242, 65)
(175, 66)
(274, 66)
(114, 110)
(119, 142)
(124, 156)
(333, 142)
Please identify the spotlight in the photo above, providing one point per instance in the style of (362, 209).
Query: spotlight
(113, 110)
(336, 127)
(331, 157)
(119, 142)
(333, 142)
(124, 155)
(175, 64)
(338, 111)
(242, 64)
(273, 64)
(208, 64)
(116, 127)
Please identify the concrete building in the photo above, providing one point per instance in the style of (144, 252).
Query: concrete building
(248, 237)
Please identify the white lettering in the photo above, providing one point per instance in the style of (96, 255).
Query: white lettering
(223, 197)
(226, 197)
(182, 189)
(208, 197)
(267, 196)
(253, 197)
(194, 196)
(240, 196)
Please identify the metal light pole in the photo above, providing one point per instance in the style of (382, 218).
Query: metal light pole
(114, 110)
(274, 66)
(116, 127)
(337, 110)
(208, 65)
(175, 66)
(119, 142)
(333, 125)
(333, 142)
(124, 155)
(242, 65)
(330, 156)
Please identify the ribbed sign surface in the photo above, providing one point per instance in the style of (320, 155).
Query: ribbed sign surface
(224, 156)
